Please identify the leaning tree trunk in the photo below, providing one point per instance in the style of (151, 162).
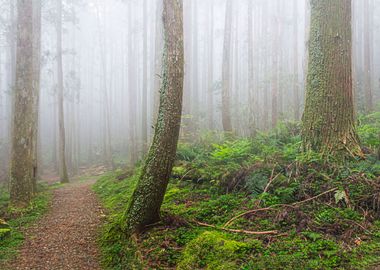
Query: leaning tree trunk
(328, 120)
(144, 208)
(61, 120)
(21, 167)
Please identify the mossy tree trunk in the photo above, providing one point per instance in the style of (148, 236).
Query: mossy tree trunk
(145, 204)
(23, 126)
(328, 120)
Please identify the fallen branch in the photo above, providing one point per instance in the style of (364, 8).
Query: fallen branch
(270, 182)
(235, 231)
(277, 205)
(315, 197)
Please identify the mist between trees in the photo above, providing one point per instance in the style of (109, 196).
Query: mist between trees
(245, 66)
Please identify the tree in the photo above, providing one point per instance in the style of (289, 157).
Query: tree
(368, 44)
(226, 73)
(296, 95)
(328, 120)
(61, 120)
(210, 71)
(37, 68)
(144, 105)
(22, 165)
(144, 208)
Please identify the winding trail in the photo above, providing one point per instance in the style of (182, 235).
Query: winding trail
(65, 238)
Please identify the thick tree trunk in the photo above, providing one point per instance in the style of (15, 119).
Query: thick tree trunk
(328, 120)
(144, 208)
(22, 158)
(62, 167)
(226, 73)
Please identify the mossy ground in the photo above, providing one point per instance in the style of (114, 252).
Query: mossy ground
(215, 180)
(19, 220)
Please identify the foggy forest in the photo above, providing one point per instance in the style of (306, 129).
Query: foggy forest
(189, 134)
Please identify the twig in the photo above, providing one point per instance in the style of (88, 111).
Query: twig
(277, 205)
(315, 197)
(235, 231)
(183, 177)
(270, 182)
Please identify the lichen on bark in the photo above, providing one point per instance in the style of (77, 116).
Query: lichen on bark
(329, 119)
(144, 206)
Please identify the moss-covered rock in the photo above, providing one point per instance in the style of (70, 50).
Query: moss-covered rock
(214, 251)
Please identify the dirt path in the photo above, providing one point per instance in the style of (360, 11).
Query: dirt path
(66, 237)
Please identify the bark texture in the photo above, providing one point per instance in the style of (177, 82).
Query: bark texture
(22, 158)
(144, 208)
(328, 120)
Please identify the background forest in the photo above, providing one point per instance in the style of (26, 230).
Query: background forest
(112, 57)
(277, 161)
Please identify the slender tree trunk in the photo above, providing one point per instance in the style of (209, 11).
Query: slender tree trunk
(144, 105)
(210, 86)
(226, 73)
(296, 94)
(195, 85)
(328, 120)
(146, 201)
(133, 152)
(36, 63)
(157, 60)
(275, 67)
(367, 56)
(61, 119)
(251, 79)
(22, 158)
(107, 145)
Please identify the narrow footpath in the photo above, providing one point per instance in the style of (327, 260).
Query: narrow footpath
(66, 237)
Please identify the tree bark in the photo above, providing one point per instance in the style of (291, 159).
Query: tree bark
(144, 208)
(62, 167)
(328, 120)
(21, 168)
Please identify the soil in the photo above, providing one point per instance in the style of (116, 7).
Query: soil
(65, 238)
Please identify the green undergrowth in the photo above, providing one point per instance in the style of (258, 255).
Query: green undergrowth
(18, 220)
(323, 214)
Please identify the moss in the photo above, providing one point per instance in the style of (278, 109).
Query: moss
(4, 233)
(215, 251)
(19, 220)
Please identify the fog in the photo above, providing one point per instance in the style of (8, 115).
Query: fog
(111, 51)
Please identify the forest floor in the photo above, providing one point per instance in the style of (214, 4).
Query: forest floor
(65, 238)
